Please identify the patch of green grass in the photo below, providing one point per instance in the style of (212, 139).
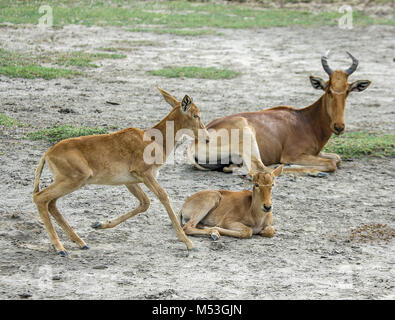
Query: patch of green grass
(177, 32)
(36, 71)
(16, 65)
(355, 145)
(137, 43)
(195, 72)
(8, 122)
(171, 14)
(62, 132)
(116, 49)
(83, 59)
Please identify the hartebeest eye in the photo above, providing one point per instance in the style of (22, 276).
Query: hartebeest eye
(195, 116)
(256, 185)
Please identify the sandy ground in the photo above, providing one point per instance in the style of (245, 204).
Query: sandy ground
(309, 257)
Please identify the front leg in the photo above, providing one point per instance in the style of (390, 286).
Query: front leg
(308, 164)
(139, 193)
(235, 229)
(155, 187)
(332, 156)
(267, 232)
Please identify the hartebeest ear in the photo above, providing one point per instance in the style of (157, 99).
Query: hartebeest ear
(318, 83)
(276, 172)
(186, 103)
(359, 85)
(168, 97)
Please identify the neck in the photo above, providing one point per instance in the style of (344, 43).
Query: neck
(256, 206)
(317, 116)
(168, 127)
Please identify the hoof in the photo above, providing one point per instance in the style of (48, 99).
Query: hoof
(63, 253)
(194, 249)
(214, 236)
(319, 175)
(322, 174)
(96, 225)
(85, 248)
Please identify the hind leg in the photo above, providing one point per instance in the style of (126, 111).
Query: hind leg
(196, 208)
(53, 210)
(42, 208)
(243, 148)
(42, 199)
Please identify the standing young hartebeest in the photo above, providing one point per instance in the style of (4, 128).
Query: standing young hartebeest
(112, 159)
(285, 134)
(232, 213)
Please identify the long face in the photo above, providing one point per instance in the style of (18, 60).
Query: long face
(336, 92)
(336, 95)
(263, 185)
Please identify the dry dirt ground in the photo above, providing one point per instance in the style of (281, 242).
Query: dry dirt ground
(310, 257)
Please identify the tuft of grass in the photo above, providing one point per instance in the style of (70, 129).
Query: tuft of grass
(116, 49)
(16, 65)
(355, 145)
(195, 72)
(137, 43)
(177, 32)
(84, 59)
(34, 71)
(62, 132)
(8, 122)
(108, 49)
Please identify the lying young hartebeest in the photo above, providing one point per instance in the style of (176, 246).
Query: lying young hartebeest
(232, 213)
(285, 134)
(112, 159)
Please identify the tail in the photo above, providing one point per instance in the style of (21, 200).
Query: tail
(39, 170)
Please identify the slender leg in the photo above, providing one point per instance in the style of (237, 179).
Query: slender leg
(191, 229)
(42, 208)
(235, 229)
(53, 210)
(154, 186)
(139, 193)
(42, 199)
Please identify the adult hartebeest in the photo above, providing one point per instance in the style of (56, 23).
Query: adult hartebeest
(285, 134)
(232, 213)
(113, 159)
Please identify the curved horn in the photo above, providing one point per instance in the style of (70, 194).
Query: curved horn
(353, 66)
(325, 65)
